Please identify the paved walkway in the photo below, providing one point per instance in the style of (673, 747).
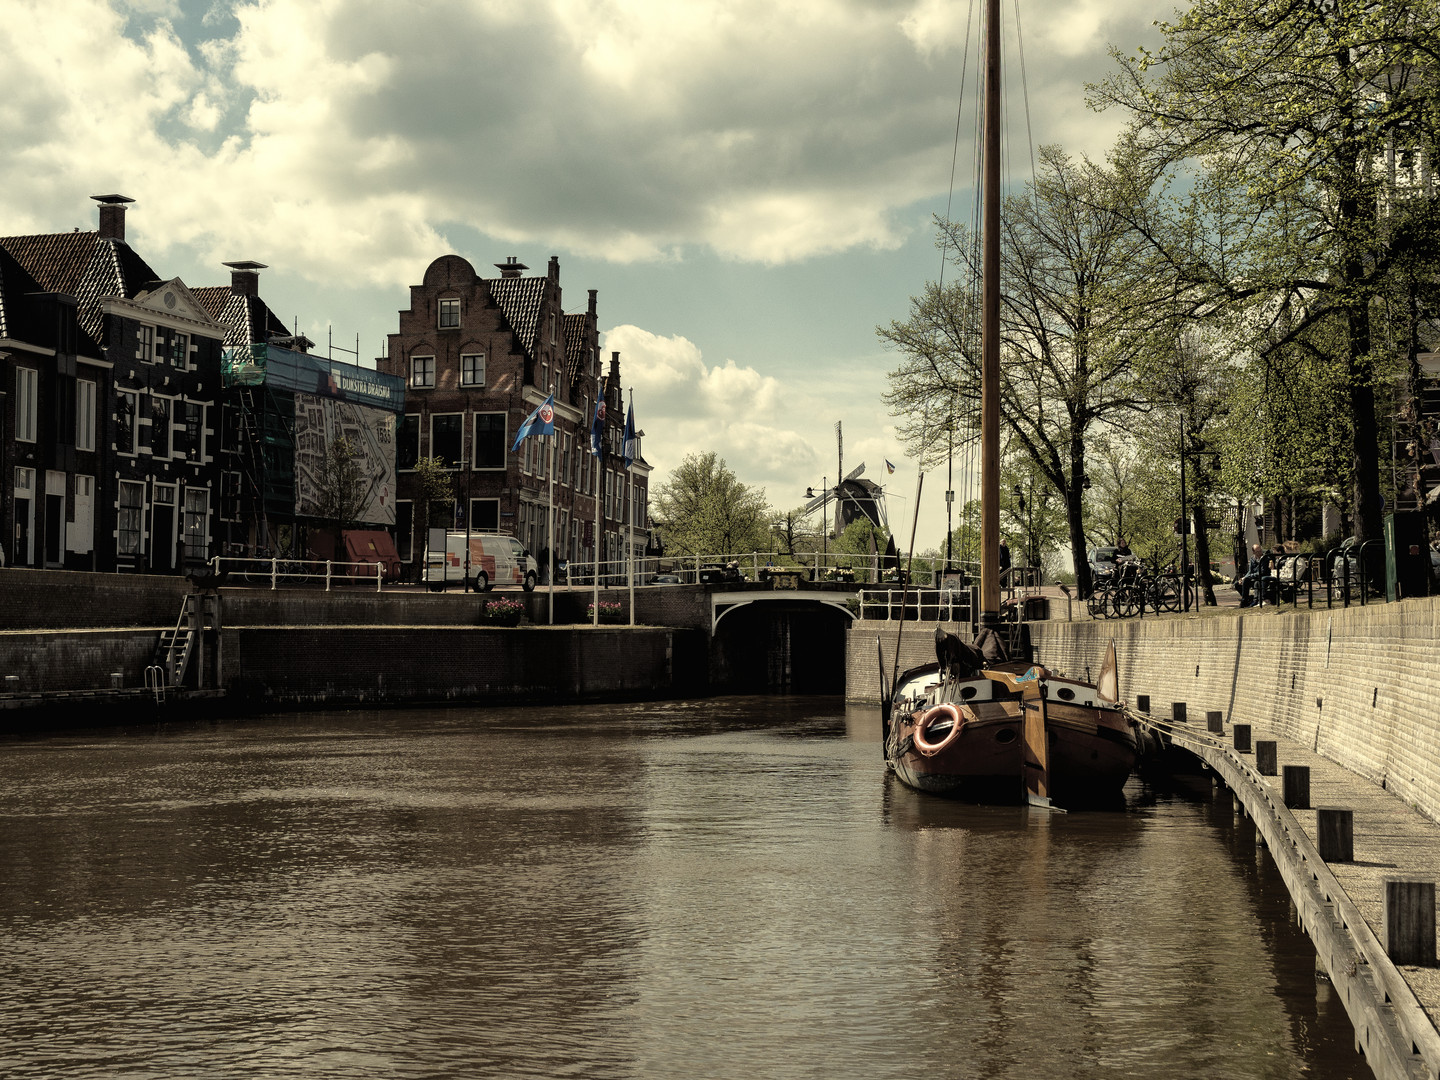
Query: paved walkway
(1395, 1009)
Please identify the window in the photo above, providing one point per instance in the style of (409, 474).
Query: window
(197, 513)
(446, 435)
(404, 528)
(449, 313)
(27, 411)
(180, 350)
(490, 440)
(485, 515)
(544, 383)
(407, 442)
(472, 369)
(160, 426)
(422, 371)
(195, 430)
(146, 351)
(565, 458)
(132, 510)
(84, 415)
(127, 420)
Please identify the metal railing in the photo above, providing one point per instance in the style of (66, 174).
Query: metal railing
(920, 605)
(275, 570)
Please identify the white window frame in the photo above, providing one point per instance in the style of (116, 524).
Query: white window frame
(180, 351)
(196, 504)
(85, 414)
(459, 461)
(27, 404)
(447, 305)
(120, 509)
(146, 352)
(476, 502)
(504, 442)
(415, 372)
(135, 398)
(472, 373)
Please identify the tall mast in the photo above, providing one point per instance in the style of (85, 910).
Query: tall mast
(990, 329)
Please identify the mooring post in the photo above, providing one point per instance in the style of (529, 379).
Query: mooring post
(1142, 702)
(1295, 783)
(1410, 921)
(1177, 712)
(1242, 738)
(1267, 755)
(1335, 833)
(1215, 720)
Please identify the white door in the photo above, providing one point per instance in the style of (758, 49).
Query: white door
(81, 534)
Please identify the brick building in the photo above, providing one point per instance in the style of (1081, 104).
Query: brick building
(478, 355)
(111, 379)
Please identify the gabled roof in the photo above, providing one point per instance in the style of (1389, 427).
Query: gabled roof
(85, 265)
(14, 284)
(247, 319)
(575, 344)
(519, 299)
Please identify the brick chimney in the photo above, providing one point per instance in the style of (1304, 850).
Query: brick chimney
(592, 301)
(245, 277)
(511, 267)
(612, 382)
(112, 215)
(554, 271)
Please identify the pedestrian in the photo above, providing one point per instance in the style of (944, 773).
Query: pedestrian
(1004, 556)
(1122, 548)
(1253, 573)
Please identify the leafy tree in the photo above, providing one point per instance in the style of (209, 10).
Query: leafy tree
(341, 489)
(1081, 303)
(434, 489)
(1301, 126)
(704, 509)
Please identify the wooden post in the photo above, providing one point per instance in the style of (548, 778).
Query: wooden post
(1215, 721)
(1177, 712)
(1242, 738)
(1142, 702)
(1409, 926)
(1295, 782)
(1267, 754)
(1335, 833)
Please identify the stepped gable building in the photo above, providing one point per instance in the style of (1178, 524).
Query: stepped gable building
(110, 377)
(478, 355)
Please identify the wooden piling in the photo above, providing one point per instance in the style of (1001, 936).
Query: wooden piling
(1242, 738)
(1335, 833)
(1295, 782)
(1267, 757)
(1177, 712)
(1215, 721)
(1409, 926)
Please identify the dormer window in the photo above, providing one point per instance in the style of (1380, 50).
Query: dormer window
(449, 313)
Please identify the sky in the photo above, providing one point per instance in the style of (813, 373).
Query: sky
(749, 185)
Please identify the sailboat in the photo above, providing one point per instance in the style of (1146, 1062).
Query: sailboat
(985, 721)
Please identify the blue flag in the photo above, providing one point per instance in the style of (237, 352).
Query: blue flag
(539, 422)
(597, 427)
(631, 448)
(889, 468)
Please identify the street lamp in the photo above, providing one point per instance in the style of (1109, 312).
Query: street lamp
(824, 498)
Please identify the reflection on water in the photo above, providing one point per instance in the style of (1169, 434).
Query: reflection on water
(723, 888)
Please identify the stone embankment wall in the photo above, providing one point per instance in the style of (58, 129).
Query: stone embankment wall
(1360, 685)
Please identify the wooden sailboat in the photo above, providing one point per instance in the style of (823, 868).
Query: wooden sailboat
(985, 721)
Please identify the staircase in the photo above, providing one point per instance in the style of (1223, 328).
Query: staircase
(199, 612)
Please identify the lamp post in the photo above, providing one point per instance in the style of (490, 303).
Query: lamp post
(824, 519)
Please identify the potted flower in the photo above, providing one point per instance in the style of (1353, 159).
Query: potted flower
(496, 611)
(610, 612)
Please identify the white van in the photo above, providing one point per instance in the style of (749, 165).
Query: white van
(494, 560)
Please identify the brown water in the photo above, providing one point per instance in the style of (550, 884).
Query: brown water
(722, 888)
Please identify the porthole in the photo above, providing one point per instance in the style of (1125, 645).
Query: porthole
(968, 692)
(1065, 694)
(1005, 736)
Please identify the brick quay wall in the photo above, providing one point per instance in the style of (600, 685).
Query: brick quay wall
(1359, 685)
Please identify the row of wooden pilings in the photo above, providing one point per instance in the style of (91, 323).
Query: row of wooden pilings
(1408, 931)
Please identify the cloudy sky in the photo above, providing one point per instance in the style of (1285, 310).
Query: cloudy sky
(748, 183)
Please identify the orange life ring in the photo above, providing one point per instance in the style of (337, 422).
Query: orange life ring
(930, 749)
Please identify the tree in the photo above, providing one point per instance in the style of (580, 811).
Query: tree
(341, 489)
(1296, 121)
(1082, 301)
(704, 509)
(434, 486)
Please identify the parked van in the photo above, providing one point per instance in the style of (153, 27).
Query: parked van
(494, 560)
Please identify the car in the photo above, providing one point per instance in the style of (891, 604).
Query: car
(716, 574)
(665, 579)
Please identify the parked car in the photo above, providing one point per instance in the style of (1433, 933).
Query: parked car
(716, 574)
(665, 579)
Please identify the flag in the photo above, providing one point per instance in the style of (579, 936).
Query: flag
(889, 467)
(631, 446)
(597, 426)
(539, 422)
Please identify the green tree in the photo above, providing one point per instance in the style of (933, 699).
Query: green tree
(434, 489)
(1301, 126)
(704, 509)
(341, 489)
(1082, 302)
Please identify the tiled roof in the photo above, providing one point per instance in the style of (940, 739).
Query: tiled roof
(246, 318)
(519, 299)
(85, 265)
(575, 345)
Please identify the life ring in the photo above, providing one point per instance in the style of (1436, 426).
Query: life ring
(928, 748)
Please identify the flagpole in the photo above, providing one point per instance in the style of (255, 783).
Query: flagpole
(550, 516)
(630, 508)
(599, 494)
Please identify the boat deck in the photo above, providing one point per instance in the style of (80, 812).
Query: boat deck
(1341, 905)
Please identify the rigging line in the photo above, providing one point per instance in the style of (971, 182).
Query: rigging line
(959, 116)
(1025, 90)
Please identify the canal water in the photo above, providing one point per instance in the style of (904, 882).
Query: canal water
(719, 888)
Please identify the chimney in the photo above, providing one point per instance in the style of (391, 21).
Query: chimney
(112, 215)
(245, 277)
(592, 301)
(511, 267)
(554, 268)
(612, 381)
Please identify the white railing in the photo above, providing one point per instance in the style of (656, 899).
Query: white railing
(275, 570)
(919, 604)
